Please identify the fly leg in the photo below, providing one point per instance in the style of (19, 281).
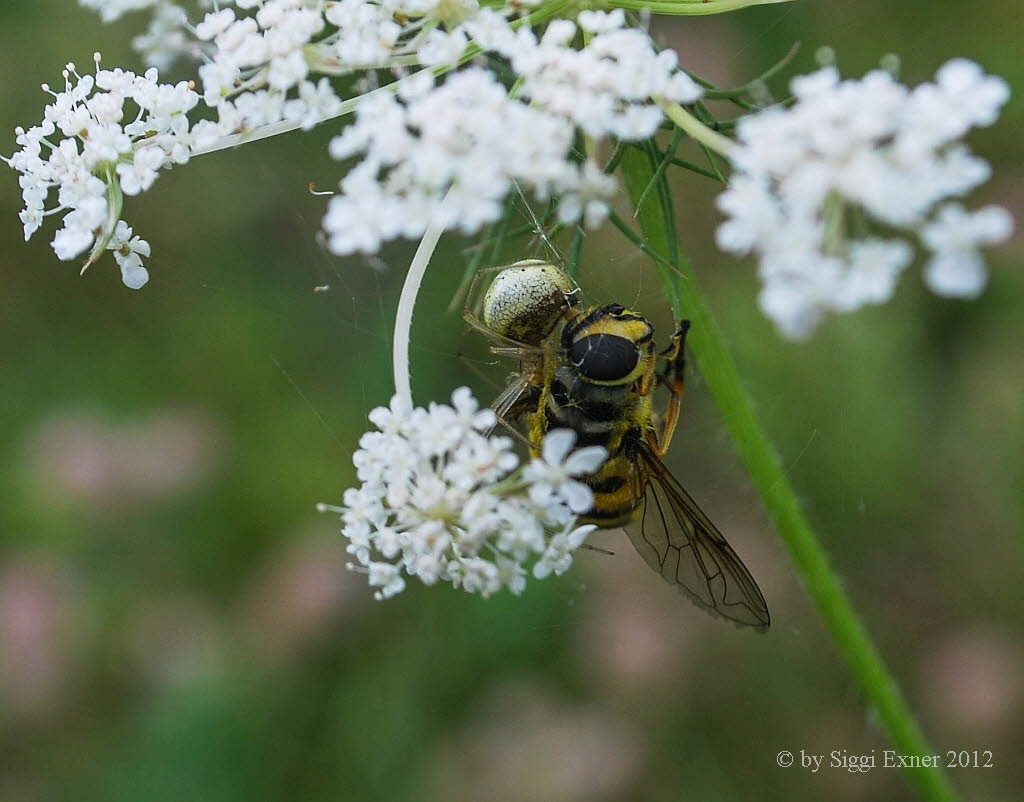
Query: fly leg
(467, 362)
(505, 412)
(672, 378)
(598, 549)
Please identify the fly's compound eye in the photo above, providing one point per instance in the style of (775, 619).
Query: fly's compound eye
(604, 357)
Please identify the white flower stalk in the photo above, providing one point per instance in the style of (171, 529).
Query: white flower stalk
(442, 502)
(813, 179)
(103, 136)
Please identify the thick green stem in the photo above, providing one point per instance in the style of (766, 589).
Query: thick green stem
(765, 468)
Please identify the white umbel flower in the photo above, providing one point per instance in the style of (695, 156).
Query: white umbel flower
(449, 154)
(445, 155)
(607, 87)
(167, 37)
(111, 10)
(557, 557)
(954, 237)
(444, 503)
(90, 150)
(855, 153)
(128, 252)
(553, 476)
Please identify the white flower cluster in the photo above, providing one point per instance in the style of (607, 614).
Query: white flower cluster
(447, 155)
(166, 38)
(112, 10)
(91, 147)
(428, 153)
(369, 33)
(256, 60)
(605, 88)
(444, 503)
(811, 177)
(262, 57)
(444, 155)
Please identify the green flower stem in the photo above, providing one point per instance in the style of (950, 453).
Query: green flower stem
(695, 128)
(766, 471)
(115, 203)
(687, 7)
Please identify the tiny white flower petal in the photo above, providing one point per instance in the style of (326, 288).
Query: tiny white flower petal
(557, 445)
(578, 536)
(578, 496)
(585, 461)
(134, 275)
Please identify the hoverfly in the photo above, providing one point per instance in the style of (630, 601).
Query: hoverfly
(594, 370)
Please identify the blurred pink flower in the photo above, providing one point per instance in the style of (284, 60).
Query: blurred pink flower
(299, 593)
(528, 744)
(168, 452)
(176, 640)
(91, 460)
(73, 455)
(37, 603)
(975, 679)
(630, 625)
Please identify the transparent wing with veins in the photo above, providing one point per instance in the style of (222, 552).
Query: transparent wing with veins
(678, 541)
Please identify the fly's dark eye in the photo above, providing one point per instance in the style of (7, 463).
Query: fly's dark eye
(604, 357)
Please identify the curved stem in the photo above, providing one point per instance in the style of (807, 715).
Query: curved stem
(765, 468)
(115, 204)
(688, 7)
(406, 305)
(693, 127)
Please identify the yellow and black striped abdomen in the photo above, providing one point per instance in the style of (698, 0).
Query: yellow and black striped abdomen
(614, 417)
(616, 499)
(594, 387)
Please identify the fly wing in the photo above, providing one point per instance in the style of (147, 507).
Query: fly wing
(678, 541)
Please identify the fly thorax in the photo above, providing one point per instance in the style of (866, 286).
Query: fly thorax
(584, 406)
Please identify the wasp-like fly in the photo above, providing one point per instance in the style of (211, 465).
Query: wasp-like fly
(594, 370)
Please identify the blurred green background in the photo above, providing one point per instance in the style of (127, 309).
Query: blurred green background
(175, 618)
